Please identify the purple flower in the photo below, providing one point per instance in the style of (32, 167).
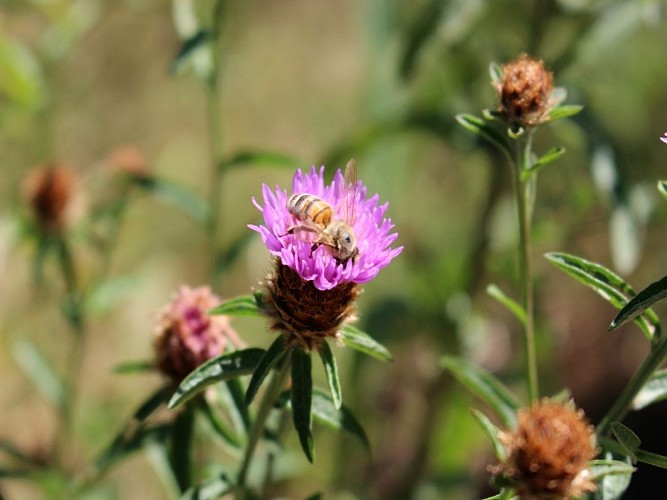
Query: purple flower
(664, 138)
(318, 265)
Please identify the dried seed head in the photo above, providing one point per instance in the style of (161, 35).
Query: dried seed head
(305, 314)
(129, 160)
(548, 453)
(48, 190)
(525, 91)
(186, 336)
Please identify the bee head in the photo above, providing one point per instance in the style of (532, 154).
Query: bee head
(346, 242)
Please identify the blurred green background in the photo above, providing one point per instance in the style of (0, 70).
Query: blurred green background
(323, 81)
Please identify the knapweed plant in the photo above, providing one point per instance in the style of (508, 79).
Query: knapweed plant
(547, 448)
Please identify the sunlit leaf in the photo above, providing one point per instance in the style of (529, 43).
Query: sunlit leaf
(325, 412)
(485, 386)
(268, 158)
(495, 72)
(331, 370)
(514, 307)
(491, 432)
(627, 438)
(39, 370)
(480, 127)
(549, 157)
(174, 194)
(655, 389)
(653, 293)
(561, 112)
(211, 489)
(607, 284)
(245, 305)
(662, 188)
(301, 397)
(20, 74)
(269, 359)
(360, 341)
(105, 296)
(225, 367)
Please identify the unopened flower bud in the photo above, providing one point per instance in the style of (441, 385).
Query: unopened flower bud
(186, 336)
(525, 91)
(548, 453)
(129, 160)
(48, 191)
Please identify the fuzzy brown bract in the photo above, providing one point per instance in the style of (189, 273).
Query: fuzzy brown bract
(549, 451)
(48, 190)
(305, 314)
(525, 91)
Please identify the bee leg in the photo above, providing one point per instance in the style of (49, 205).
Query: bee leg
(313, 248)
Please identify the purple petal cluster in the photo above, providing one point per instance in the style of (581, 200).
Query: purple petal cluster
(372, 230)
(664, 138)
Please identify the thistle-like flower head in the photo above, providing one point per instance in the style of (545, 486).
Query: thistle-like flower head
(316, 263)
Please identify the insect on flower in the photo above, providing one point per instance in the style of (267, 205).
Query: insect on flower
(318, 223)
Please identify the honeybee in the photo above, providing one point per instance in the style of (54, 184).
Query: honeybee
(318, 221)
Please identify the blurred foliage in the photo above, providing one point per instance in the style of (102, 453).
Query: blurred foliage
(302, 83)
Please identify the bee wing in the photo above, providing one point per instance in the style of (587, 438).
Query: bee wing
(350, 191)
(307, 231)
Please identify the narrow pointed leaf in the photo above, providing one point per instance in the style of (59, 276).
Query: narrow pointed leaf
(39, 370)
(268, 158)
(360, 341)
(478, 126)
(561, 112)
(273, 354)
(653, 293)
(491, 432)
(607, 284)
(601, 468)
(218, 426)
(325, 412)
(157, 399)
(188, 48)
(331, 370)
(495, 72)
(129, 441)
(485, 386)
(662, 187)
(627, 438)
(176, 195)
(245, 305)
(514, 307)
(655, 389)
(236, 407)
(225, 367)
(612, 476)
(549, 157)
(301, 398)
(210, 489)
(138, 366)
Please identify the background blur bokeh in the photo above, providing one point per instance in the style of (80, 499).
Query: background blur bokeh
(321, 82)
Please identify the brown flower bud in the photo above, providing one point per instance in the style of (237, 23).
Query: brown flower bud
(186, 336)
(303, 313)
(548, 453)
(525, 91)
(48, 190)
(129, 160)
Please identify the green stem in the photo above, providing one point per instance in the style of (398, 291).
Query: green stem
(180, 455)
(639, 379)
(257, 430)
(523, 192)
(213, 96)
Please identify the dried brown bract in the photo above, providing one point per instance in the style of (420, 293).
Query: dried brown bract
(48, 191)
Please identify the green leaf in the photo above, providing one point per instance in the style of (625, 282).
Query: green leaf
(331, 370)
(269, 158)
(235, 250)
(128, 442)
(653, 293)
(662, 187)
(514, 307)
(613, 477)
(234, 399)
(421, 30)
(174, 194)
(151, 404)
(272, 355)
(487, 387)
(211, 489)
(137, 366)
(10, 450)
(607, 284)
(495, 72)
(655, 389)
(40, 371)
(13, 473)
(244, 305)
(188, 48)
(325, 412)
(601, 468)
(218, 426)
(561, 112)
(301, 398)
(549, 157)
(491, 432)
(21, 77)
(360, 341)
(225, 367)
(627, 438)
(480, 127)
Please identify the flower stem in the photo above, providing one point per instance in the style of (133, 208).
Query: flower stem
(622, 404)
(523, 189)
(270, 396)
(180, 455)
